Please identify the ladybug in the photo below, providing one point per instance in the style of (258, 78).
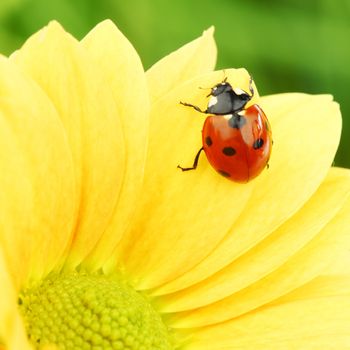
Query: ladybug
(236, 140)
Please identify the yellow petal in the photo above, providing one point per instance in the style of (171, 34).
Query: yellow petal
(182, 216)
(16, 338)
(263, 330)
(318, 323)
(306, 131)
(106, 44)
(320, 287)
(340, 264)
(195, 58)
(38, 199)
(301, 268)
(12, 332)
(337, 265)
(88, 112)
(272, 252)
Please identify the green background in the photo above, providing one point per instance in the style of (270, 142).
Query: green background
(291, 45)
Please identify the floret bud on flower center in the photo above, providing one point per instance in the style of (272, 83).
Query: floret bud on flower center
(83, 311)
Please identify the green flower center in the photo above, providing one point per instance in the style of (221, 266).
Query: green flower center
(82, 311)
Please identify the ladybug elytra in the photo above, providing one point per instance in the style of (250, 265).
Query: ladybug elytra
(236, 140)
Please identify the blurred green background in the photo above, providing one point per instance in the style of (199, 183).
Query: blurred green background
(290, 45)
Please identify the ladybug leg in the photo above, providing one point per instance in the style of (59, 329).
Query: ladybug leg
(251, 87)
(195, 163)
(193, 106)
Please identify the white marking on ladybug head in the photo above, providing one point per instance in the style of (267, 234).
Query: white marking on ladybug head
(213, 101)
(239, 91)
(228, 116)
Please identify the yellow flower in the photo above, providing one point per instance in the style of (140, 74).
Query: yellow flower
(106, 245)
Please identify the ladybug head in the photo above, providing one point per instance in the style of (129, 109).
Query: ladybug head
(220, 88)
(240, 97)
(225, 99)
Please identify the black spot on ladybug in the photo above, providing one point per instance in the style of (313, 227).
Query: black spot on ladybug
(208, 141)
(229, 151)
(258, 143)
(224, 173)
(236, 121)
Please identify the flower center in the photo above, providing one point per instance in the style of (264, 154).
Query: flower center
(82, 311)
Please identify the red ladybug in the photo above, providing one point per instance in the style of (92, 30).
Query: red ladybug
(236, 140)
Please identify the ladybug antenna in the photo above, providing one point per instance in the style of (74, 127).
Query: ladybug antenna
(205, 88)
(225, 76)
